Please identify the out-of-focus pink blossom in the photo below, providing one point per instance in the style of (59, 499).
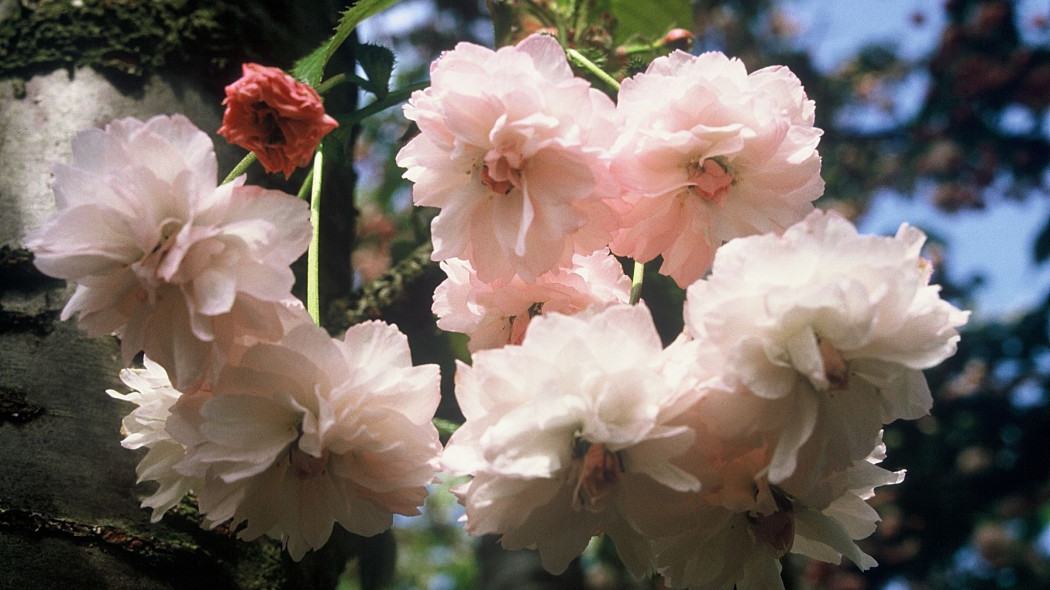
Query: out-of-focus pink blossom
(372, 251)
(311, 431)
(570, 434)
(497, 313)
(172, 264)
(511, 149)
(275, 116)
(709, 153)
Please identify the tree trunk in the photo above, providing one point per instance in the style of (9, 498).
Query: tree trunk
(69, 505)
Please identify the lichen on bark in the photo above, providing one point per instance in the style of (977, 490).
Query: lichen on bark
(130, 37)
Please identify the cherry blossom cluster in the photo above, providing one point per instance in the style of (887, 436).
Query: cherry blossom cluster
(278, 428)
(758, 431)
(536, 172)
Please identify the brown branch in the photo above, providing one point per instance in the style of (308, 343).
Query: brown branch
(382, 293)
(111, 536)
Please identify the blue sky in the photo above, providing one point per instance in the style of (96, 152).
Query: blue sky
(995, 242)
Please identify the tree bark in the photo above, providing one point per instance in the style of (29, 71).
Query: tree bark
(69, 505)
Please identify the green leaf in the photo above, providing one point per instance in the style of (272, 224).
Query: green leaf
(310, 69)
(351, 18)
(378, 63)
(649, 21)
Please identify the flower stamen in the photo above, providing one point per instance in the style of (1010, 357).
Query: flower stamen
(599, 472)
(305, 465)
(709, 179)
(835, 368)
(777, 529)
(501, 171)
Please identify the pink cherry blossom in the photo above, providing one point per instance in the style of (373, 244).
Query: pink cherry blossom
(822, 335)
(511, 149)
(311, 431)
(709, 153)
(569, 434)
(497, 313)
(173, 264)
(733, 533)
(736, 528)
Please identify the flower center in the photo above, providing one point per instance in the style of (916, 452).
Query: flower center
(267, 122)
(709, 179)
(776, 529)
(600, 471)
(501, 172)
(518, 325)
(835, 368)
(151, 268)
(170, 228)
(307, 466)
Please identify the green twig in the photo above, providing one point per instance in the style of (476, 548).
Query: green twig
(636, 282)
(332, 82)
(380, 104)
(313, 297)
(591, 67)
(304, 189)
(637, 49)
(241, 167)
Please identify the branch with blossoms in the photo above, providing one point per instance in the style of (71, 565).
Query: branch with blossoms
(755, 434)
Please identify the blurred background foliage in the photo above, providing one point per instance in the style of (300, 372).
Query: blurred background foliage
(974, 510)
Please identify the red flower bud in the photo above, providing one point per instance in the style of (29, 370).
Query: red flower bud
(678, 39)
(274, 115)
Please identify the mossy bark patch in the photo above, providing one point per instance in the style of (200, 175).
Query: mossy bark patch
(131, 37)
(134, 39)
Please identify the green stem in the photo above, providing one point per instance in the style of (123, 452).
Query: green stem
(636, 282)
(313, 297)
(240, 167)
(331, 83)
(445, 427)
(636, 49)
(591, 67)
(304, 189)
(395, 97)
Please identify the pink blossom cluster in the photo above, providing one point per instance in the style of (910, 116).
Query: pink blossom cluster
(754, 434)
(498, 312)
(296, 436)
(758, 431)
(533, 169)
(278, 428)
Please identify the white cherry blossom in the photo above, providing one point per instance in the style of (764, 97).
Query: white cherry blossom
(569, 434)
(173, 264)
